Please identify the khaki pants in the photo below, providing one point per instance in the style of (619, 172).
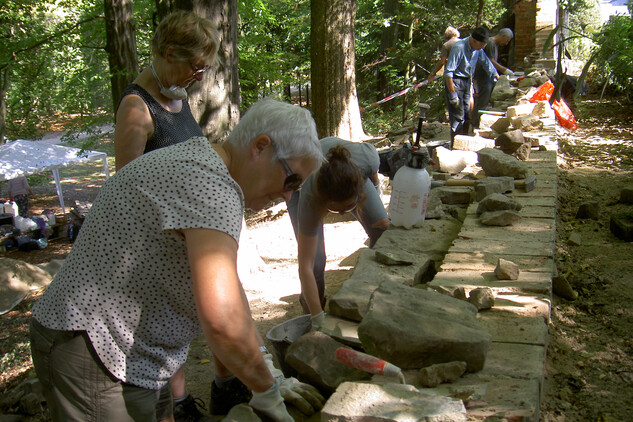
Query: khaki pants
(78, 387)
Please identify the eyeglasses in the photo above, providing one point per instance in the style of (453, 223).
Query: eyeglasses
(293, 181)
(347, 209)
(198, 70)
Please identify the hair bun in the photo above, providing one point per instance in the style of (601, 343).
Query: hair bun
(338, 152)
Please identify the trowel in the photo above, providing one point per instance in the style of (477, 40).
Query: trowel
(368, 363)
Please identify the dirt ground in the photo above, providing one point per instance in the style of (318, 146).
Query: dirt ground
(589, 371)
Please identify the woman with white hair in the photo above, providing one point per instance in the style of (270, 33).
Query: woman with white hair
(155, 265)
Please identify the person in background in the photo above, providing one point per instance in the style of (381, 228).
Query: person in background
(458, 74)
(484, 81)
(346, 182)
(18, 190)
(154, 113)
(451, 36)
(155, 265)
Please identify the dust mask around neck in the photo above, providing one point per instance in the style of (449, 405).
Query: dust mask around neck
(174, 92)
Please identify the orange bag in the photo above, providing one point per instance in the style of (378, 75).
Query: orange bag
(544, 92)
(564, 115)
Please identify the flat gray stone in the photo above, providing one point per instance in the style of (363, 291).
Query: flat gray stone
(495, 396)
(499, 218)
(508, 327)
(342, 330)
(526, 305)
(497, 163)
(455, 195)
(488, 185)
(525, 230)
(483, 261)
(511, 248)
(527, 282)
(394, 257)
(357, 402)
(414, 328)
(524, 361)
(352, 299)
(498, 202)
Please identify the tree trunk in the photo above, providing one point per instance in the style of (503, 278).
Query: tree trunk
(163, 8)
(4, 86)
(388, 40)
(480, 13)
(215, 100)
(120, 45)
(335, 109)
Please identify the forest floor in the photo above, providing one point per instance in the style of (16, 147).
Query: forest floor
(589, 368)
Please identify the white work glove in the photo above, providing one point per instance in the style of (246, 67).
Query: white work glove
(303, 396)
(271, 404)
(317, 320)
(508, 72)
(453, 99)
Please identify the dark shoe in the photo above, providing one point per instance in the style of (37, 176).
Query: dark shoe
(187, 410)
(231, 394)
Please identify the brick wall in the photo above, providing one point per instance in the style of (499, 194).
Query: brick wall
(534, 20)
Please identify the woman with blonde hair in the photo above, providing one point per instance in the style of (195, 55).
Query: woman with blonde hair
(153, 111)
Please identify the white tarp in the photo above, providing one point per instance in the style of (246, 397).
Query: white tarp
(21, 158)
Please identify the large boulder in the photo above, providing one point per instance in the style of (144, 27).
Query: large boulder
(414, 328)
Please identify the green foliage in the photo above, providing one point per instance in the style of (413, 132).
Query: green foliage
(612, 57)
(584, 19)
(274, 47)
(429, 19)
(56, 63)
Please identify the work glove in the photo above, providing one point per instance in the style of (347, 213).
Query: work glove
(453, 99)
(303, 396)
(431, 78)
(271, 404)
(317, 321)
(508, 72)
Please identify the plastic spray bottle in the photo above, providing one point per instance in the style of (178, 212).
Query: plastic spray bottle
(410, 191)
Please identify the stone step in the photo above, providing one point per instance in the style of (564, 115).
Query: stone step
(487, 261)
(528, 282)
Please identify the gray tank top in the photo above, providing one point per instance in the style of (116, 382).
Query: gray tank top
(169, 128)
